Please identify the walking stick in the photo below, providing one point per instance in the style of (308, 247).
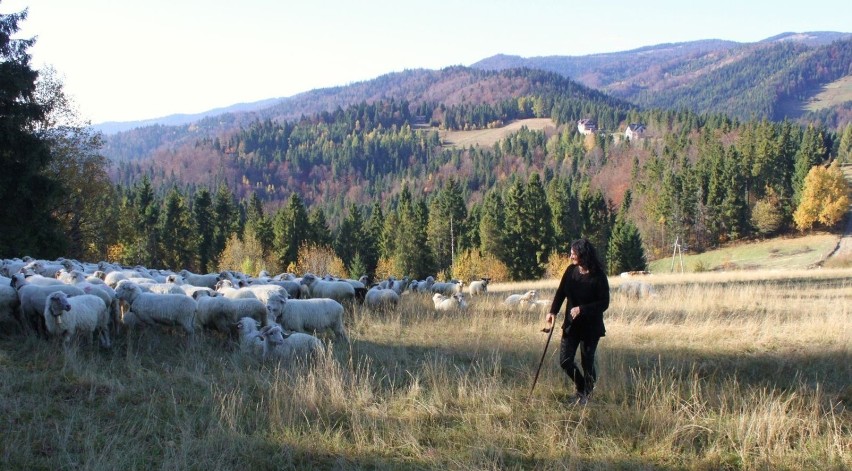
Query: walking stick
(541, 362)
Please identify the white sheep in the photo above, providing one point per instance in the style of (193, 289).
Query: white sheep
(288, 345)
(221, 313)
(339, 291)
(251, 342)
(9, 301)
(209, 280)
(69, 317)
(32, 298)
(378, 298)
(447, 288)
(160, 309)
(479, 286)
(308, 315)
(522, 300)
(444, 303)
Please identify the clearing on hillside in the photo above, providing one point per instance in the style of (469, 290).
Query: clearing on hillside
(488, 137)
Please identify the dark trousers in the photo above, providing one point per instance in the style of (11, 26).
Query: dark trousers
(584, 379)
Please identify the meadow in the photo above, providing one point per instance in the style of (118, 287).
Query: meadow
(743, 370)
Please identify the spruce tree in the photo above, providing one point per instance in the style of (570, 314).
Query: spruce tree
(202, 217)
(28, 194)
(177, 238)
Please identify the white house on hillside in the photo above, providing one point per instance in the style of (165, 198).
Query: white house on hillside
(587, 126)
(634, 131)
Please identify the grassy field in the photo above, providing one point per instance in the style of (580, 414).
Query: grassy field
(779, 253)
(488, 137)
(831, 94)
(742, 370)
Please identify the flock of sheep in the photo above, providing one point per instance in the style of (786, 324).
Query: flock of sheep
(269, 316)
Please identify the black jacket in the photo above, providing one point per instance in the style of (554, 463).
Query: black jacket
(591, 293)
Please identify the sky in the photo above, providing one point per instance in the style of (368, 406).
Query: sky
(126, 60)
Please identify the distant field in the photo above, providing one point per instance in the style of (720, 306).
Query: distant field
(488, 137)
(834, 93)
(786, 253)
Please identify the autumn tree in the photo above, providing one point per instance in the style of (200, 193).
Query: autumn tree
(825, 198)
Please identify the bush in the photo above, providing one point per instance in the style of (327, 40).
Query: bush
(472, 265)
(319, 260)
(556, 265)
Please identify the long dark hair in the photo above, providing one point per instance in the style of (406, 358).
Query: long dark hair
(587, 255)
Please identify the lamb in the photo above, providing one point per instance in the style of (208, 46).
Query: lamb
(221, 313)
(69, 317)
(378, 298)
(339, 291)
(444, 303)
(290, 345)
(637, 289)
(521, 300)
(308, 315)
(152, 308)
(479, 286)
(32, 298)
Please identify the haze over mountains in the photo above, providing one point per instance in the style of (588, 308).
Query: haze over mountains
(774, 78)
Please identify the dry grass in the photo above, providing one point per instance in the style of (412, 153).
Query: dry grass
(750, 370)
(489, 137)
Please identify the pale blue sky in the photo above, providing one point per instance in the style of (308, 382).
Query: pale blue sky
(129, 60)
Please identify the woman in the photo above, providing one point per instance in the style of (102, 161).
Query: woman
(584, 284)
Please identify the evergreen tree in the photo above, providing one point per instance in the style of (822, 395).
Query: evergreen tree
(597, 220)
(350, 236)
(24, 155)
(492, 225)
(811, 152)
(565, 212)
(291, 229)
(177, 238)
(844, 151)
(372, 243)
(148, 215)
(540, 223)
(625, 247)
(528, 229)
(203, 218)
(446, 225)
(225, 221)
(260, 224)
(319, 232)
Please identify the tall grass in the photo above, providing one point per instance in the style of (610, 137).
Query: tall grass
(743, 371)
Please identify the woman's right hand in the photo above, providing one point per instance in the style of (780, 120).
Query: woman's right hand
(548, 322)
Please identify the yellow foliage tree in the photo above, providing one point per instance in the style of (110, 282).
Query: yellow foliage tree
(319, 260)
(825, 198)
(471, 265)
(246, 255)
(556, 265)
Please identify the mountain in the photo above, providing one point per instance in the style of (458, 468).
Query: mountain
(451, 86)
(112, 127)
(776, 78)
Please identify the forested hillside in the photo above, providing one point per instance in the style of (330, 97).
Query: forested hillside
(771, 79)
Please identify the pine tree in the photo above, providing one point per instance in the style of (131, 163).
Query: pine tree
(350, 235)
(811, 152)
(446, 225)
(177, 237)
(491, 226)
(225, 221)
(203, 219)
(24, 155)
(319, 232)
(291, 229)
(625, 251)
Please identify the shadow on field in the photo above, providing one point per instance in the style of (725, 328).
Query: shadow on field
(830, 371)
